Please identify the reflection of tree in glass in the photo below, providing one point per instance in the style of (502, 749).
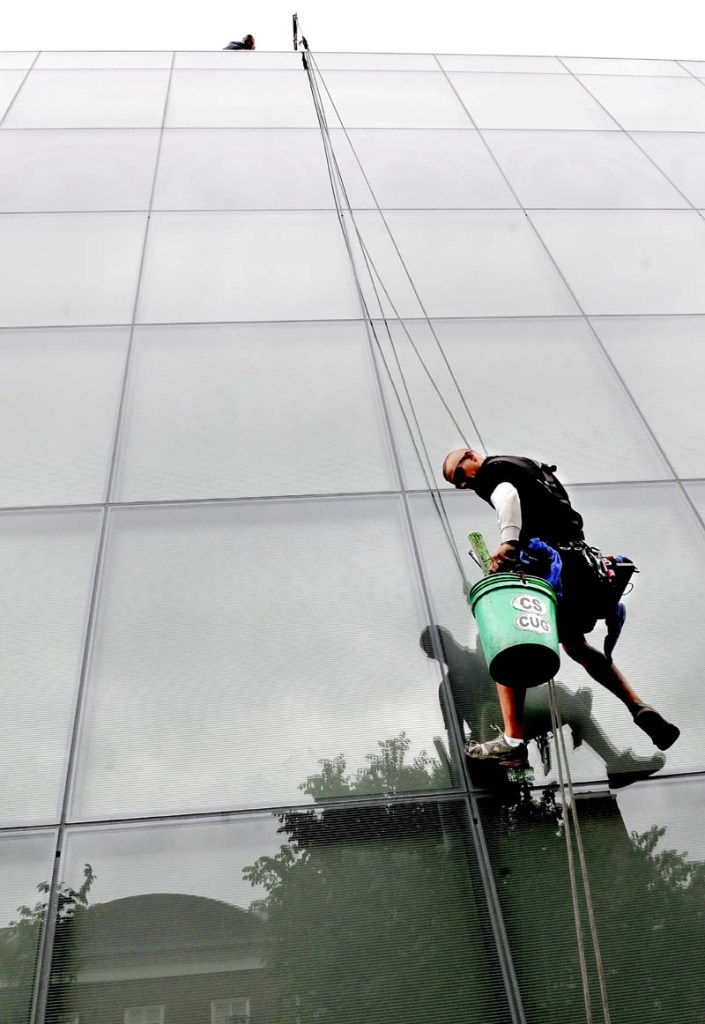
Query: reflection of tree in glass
(649, 907)
(19, 947)
(369, 911)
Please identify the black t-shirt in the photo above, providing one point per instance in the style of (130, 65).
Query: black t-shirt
(546, 511)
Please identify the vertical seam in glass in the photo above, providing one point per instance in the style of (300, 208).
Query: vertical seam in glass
(601, 346)
(19, 88)
(630, 136)
(511, 986)
(42, 984)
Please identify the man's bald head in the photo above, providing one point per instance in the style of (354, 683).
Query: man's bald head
(461, 465)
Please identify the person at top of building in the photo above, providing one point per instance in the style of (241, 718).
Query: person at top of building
(531, 503)
(246, 43)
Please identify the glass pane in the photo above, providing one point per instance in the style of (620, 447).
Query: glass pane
(662, 361)
(246, 266)
(69, 268)
(660, 650)
(620, 66)
(643, 261)
(26, 862)
(76, 170)
(697, 493)
(19, 60)
(682, 157)
(370, 915)
(394, 99)
(10, 82)
(90, 99)
(242, 415)
(376, 61)
(645, 897)
(651, 104)
(104, 59)
(238, 60)
(59, 394)
(48, 561)
(696, 67)
(242, 168)
(273, 667)
(417, 168)
(528, 101)
(580, 169)
(241, 99)
(470, 264)
(546, 357)
(480, 62)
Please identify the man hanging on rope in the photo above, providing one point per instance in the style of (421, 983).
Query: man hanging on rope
(530, 502)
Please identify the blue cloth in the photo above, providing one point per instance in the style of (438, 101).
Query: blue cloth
(541, 560)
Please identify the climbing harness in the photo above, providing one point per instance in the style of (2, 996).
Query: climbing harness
(352, 239)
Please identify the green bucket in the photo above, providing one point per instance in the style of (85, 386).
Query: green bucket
(516, 619)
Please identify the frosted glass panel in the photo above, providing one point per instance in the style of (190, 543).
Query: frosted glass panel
(528, 101)
(47, 561)
(580, 169)
(620, 66)
(9, 84)
(629, 262)
(249, 169)
(238, 60)
(77, 170)
(16, 61)
(26, 862)
(662, 361)
(90, 99)
(257, 396)
(475, 264)
(104, 59)
(660, 650)
(69, 268)
(241, 99)
(376, 61)
(415, 168)
(389, 99)
(240, 266)
(463, 62)
(651, 104)
(559, 359)
(697, 493)
(350, 895)
(59, 394)
(696, 67)
(278, 633)
(682, 157)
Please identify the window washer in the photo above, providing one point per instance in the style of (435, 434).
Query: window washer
(530, 502)
(247, 43)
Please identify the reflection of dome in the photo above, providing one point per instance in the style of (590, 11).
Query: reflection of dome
(161, 922)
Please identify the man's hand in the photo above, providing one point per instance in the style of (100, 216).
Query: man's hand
(505, 558)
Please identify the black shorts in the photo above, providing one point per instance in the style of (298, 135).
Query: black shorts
(576, 613)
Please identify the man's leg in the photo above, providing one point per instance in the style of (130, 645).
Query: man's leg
(508, 749)
(605, 672)
(511, 703)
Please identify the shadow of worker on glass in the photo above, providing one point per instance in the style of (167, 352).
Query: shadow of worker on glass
(477, 709)
(536, 518)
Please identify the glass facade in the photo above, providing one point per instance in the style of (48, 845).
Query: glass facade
(238, 664)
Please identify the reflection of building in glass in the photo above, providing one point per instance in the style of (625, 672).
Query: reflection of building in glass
(162, 958)
(237, 658)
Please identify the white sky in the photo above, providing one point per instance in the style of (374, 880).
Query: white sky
(624, 28)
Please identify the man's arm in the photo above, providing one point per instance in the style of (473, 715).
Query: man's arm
(505, 501)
